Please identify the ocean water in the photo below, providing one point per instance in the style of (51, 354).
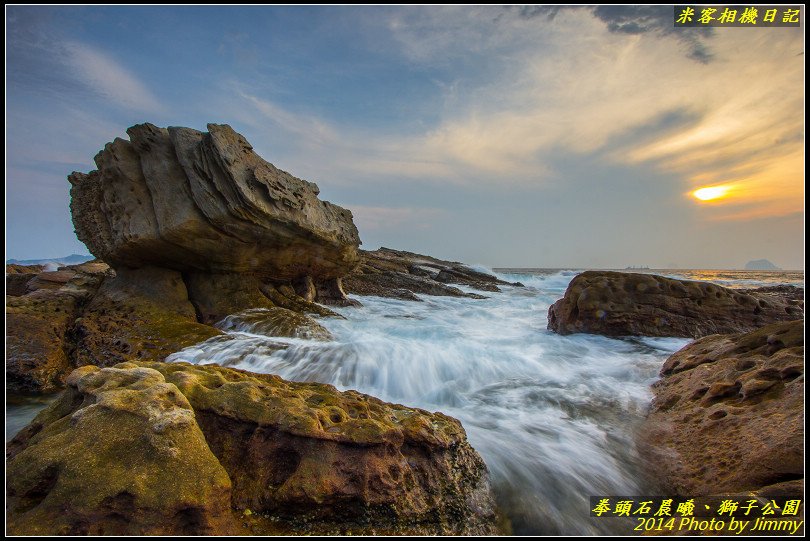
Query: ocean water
(554, 417)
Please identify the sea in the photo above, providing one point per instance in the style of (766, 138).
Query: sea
(554, 417)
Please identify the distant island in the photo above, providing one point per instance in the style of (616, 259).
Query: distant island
(761, 264)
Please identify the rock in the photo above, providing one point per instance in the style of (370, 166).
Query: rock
(315, 458)
(214, 296)
(783, 292)
(24, 269)
(140, 314)
(331, 292)
(205, 202)
(50, 280)
(397, 274)
(728, 415)
(36, 360)
(119, 453)
(623, 304)
(17, 283)
(38, 321)
(275, 322)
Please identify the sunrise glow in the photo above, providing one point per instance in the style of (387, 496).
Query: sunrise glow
(711, 193)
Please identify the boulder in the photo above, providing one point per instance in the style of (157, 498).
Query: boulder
(728, 415)
(162, 448)
(624, 304)
(119, 453)
(205, 202)
(275, 322)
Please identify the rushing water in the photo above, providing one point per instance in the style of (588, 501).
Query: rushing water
(553, 416)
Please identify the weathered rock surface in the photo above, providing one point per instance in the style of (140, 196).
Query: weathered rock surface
(119, 453)
(728, 415)
(623, 304)
(87, 314)
(205, 202)
(275, 322)
(140, 314)
(37, 322)
(403, 275)
(141, 447)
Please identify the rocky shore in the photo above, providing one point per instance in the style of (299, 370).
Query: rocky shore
(727, 418)
(196, 234)
(177, 449)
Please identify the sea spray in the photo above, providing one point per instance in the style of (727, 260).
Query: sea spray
(553, 416)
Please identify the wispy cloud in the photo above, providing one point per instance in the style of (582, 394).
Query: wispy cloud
(109, 78)
(592, 84)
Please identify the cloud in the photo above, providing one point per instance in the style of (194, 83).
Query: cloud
(110, 79)
(615, 84)
(374, 219)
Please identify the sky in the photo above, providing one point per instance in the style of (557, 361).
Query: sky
(502, 136)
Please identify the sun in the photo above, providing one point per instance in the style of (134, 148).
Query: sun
(710, 193)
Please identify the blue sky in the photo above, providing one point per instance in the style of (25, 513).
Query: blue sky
(502, 136)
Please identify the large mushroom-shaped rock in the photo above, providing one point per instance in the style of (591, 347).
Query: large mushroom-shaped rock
(728, 415)
(624, 304)
(162, 448)
(195, 201)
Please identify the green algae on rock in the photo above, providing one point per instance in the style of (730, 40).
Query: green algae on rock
(207, 437)
(275, 322)
(119, 453)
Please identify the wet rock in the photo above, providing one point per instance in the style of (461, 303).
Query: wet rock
(17, 283)
(214, 296)
(275, 322)
(623, 304)
(36, 324)
(728, 415)
(140, 314)
(404, 275)
(38, 321)
(119, 453)
(173, 437)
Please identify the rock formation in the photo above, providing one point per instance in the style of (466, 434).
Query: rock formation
(208, 207)
(622, 304)
(157, 448)
(39, 313)
(205, 202)
(404, 275)
(728, 415)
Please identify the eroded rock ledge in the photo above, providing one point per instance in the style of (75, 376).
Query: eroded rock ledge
(405, 275)
(156, 448)
(624, 304)
(728, 416)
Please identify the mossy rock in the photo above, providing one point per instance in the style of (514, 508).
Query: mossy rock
(275, 322)
(120, 453)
